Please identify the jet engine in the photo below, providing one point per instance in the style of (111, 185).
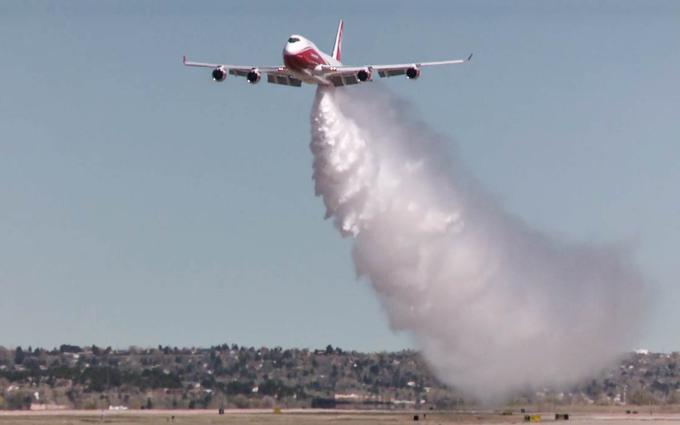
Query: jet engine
(365, 75)
(253, 76)
(219, 74)
(413, 73)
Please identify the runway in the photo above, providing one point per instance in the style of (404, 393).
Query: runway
(316, 416)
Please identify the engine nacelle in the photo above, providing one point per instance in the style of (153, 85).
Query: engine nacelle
(413, 73)
(219, 74)
(365, 75)
(253, 76)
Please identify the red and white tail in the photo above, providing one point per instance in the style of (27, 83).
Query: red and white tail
(337, 48)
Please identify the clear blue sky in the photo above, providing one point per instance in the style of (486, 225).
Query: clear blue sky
(140, 203)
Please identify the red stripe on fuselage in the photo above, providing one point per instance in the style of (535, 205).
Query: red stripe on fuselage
(306, 59)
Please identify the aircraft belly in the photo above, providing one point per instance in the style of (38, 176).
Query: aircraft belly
(307, 77)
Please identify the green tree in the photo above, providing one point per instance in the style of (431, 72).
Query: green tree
(19, 355)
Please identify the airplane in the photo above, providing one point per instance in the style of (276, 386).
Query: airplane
(306, 63)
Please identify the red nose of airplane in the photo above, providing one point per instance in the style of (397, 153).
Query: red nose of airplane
(306, 58)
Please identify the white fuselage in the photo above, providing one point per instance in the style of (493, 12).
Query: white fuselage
(305, 60)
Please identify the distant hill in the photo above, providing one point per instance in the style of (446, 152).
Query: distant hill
(242, 377)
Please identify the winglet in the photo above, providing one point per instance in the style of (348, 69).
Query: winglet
(184, 59)
(469, 57)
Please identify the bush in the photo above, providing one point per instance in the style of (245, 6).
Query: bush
(642, 397)
(240, 401)
(18, 400)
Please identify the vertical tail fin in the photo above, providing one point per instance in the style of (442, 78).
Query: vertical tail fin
(337, 48)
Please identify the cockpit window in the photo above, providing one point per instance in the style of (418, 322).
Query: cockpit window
(293, 39)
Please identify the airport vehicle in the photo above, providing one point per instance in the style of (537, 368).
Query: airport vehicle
(306, 63)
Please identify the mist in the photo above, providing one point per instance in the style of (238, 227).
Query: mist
(494, 305)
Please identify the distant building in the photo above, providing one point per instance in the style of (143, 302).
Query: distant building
(118, 408)
(349, 397)
(47, 406)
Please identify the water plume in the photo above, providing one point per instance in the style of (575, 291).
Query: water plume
(494, 305)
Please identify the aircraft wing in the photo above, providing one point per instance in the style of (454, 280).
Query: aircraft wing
(345, 75)
(283, 77)
(275, 74)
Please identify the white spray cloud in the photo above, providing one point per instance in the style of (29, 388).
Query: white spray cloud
(494, 305)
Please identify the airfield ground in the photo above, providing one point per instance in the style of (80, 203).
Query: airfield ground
(308, 417)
